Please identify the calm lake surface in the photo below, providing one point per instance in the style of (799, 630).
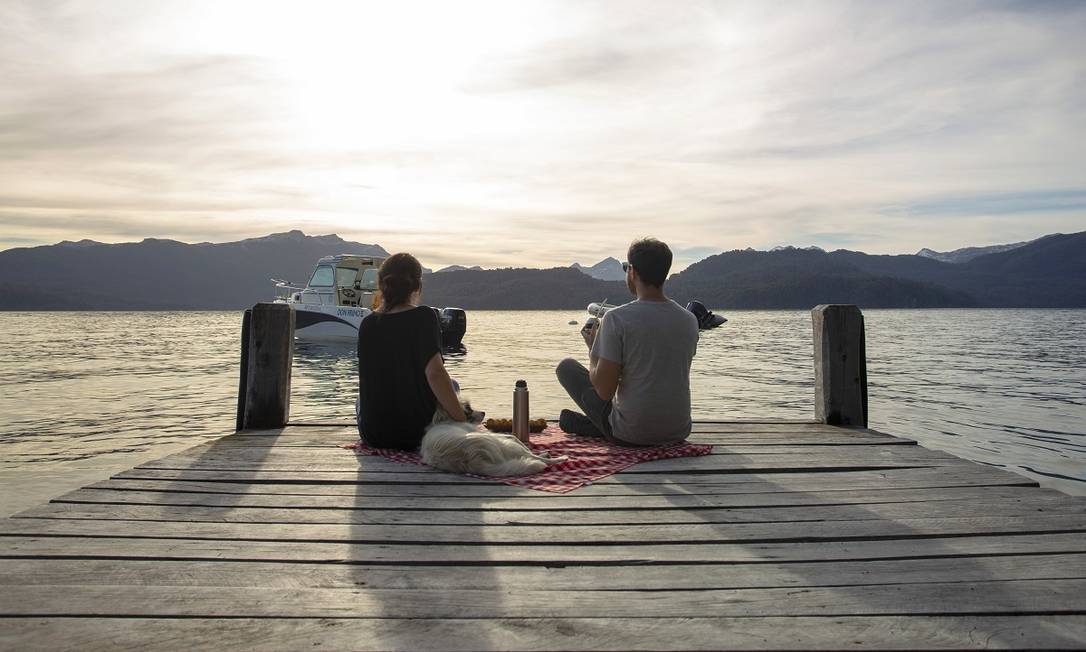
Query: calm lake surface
(85, 395)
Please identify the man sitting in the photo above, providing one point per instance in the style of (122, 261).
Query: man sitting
(637, 387)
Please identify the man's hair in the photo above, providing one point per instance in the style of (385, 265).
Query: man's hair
(652, 260)
(400, 276)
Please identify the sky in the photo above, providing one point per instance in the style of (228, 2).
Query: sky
(543, 133)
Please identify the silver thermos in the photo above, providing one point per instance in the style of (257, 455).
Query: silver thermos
(520, 411)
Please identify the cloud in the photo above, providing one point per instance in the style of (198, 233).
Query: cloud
(1010, 204)
(557, 133)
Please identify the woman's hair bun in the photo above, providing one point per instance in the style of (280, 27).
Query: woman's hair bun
(400, 276)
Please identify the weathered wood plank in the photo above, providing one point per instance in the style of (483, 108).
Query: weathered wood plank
(836, 453)
(493, 489)
(704, 464)
(800, 480)
(766, 513)
(738, 498)
(949, 599)
(742, 425)
(491, 534)
(741, 442)
(573, 634)
(333, 460)
(716, 464)
(613, 553)
(574, 578)
(825, 446)
(753, 432)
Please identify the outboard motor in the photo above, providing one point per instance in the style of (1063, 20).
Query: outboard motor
(706, 318)
(454, 323)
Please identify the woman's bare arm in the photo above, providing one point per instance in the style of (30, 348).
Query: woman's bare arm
(441, 385)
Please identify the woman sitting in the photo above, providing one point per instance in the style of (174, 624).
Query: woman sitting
(401, 374)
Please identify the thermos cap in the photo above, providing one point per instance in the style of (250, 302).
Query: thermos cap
(521, 383)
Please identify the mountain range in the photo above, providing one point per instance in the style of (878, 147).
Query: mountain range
(967, 254)
(162, 274)
(458, 268)
(608, 269)
(154, 274)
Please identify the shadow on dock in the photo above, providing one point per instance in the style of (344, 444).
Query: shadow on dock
(946, 548)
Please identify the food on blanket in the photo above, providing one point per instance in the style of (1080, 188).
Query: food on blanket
(506, 425)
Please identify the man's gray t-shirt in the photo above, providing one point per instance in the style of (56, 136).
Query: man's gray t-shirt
(654, 342)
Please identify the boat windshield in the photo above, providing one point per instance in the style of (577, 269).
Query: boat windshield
(322, 277)
(369, 279)
(345, 277)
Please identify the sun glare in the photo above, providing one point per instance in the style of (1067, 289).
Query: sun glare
(366, 75)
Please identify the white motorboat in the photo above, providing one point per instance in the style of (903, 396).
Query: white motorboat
(340, 293)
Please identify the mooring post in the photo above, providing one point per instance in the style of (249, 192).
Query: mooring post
(267, 357)
(840, 362)
(243, 376)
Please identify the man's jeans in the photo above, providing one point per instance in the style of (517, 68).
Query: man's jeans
(574, 378)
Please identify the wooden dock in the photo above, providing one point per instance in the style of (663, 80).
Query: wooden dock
(791, 535)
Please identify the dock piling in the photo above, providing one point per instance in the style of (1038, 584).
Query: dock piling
(243, 377)
(268, 360)
(840, 362)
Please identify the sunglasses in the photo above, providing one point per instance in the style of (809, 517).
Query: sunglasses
(626, 267)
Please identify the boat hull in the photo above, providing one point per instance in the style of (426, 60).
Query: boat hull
(318, 322)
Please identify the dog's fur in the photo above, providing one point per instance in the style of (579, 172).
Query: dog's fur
(460, 447)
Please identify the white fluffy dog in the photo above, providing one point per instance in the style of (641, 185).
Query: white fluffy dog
(460, 447)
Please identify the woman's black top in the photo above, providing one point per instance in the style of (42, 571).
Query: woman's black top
(395, 400)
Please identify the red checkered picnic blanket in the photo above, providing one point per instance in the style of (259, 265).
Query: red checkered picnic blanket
(589, 459)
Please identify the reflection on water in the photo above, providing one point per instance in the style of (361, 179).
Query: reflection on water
(78, 385)
(1003, 387)
(324, 380)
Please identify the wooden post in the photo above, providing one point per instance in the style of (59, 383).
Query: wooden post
(270, 356)
(243, 377)
(840, 361)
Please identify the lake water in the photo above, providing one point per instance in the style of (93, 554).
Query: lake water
(85, 395)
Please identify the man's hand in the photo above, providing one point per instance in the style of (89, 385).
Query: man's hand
(588, 332)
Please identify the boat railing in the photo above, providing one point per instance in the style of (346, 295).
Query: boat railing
(284, 289)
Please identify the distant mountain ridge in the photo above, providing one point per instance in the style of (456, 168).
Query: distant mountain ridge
(796, 278)
(608, 269)
(458, 268)
(156, 274)
(966, 254)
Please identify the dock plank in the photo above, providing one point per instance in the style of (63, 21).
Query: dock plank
(494, 489)
(710, 463)
(551, 534)
(1047, 597)
(742, 442)
(618, 553)
(738, 496)
(760, 510)
(788, 480)
(523, 635)
(789, 535)
(570, 578)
